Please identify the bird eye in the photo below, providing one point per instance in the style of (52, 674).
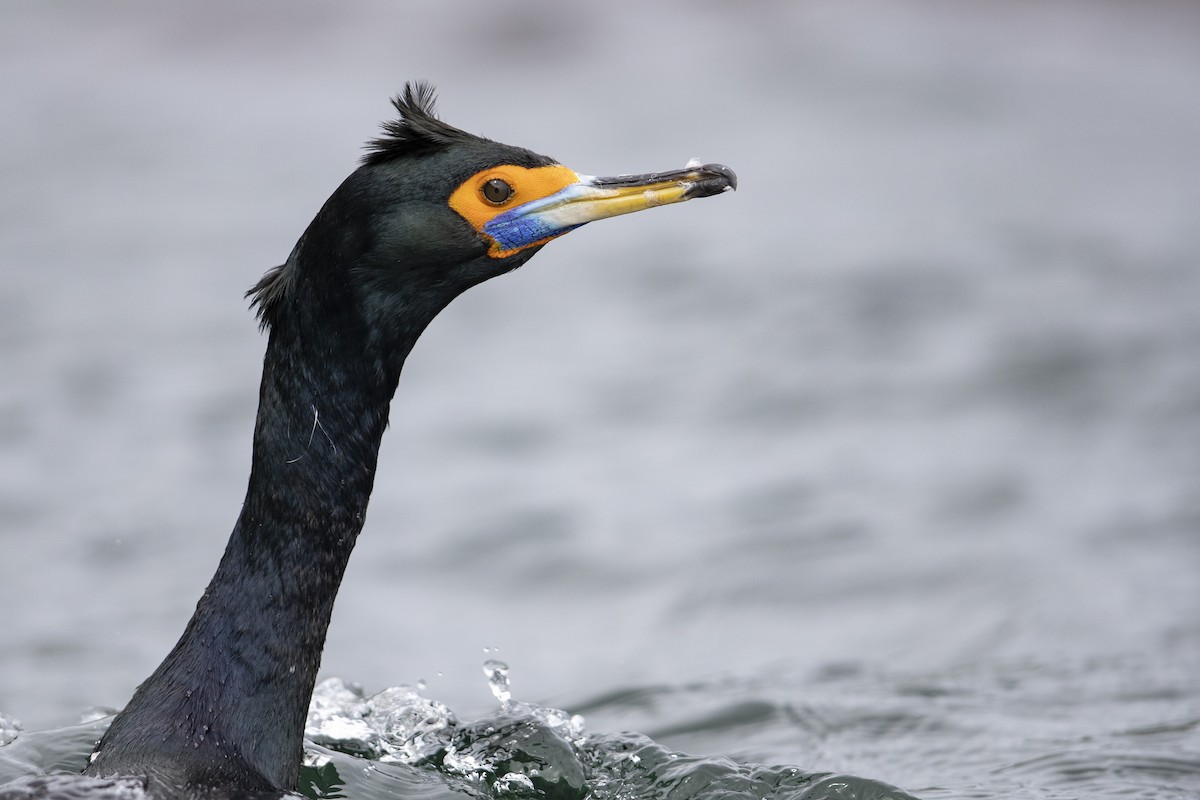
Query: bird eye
(497, 191)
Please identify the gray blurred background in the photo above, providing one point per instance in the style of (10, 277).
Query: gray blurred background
(922, 397)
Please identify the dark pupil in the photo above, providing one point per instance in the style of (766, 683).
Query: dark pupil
(496, 191)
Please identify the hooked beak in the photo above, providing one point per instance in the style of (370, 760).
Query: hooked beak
(591, 198)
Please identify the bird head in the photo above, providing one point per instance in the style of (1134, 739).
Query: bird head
(433, 210)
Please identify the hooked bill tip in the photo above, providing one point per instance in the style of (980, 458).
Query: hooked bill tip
(725, 172)
(711, 179)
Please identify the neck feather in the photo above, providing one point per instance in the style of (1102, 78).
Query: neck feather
(227, 706)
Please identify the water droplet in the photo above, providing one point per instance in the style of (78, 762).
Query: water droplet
(496, 673)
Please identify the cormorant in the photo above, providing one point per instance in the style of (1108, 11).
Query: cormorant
(430, 212)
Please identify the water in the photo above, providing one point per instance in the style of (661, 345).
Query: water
(398, 743)
(884, 466)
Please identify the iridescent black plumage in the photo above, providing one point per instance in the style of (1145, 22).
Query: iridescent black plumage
(416, 130)
(382, 257)
(223, 715)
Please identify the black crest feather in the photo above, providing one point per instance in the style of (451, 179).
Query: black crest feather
(416, 130)
(266, 295)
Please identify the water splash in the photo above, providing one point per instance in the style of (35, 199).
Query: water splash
(394, 725)
(569, 726)
(496, 673)
(396, 743)
(524, 750)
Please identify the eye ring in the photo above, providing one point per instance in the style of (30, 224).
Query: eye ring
(496, 191)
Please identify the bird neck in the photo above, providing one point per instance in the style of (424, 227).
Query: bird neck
(227, 706)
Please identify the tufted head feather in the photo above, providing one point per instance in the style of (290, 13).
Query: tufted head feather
(416, 130)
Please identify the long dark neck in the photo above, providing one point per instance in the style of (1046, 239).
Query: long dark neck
(227, 706)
